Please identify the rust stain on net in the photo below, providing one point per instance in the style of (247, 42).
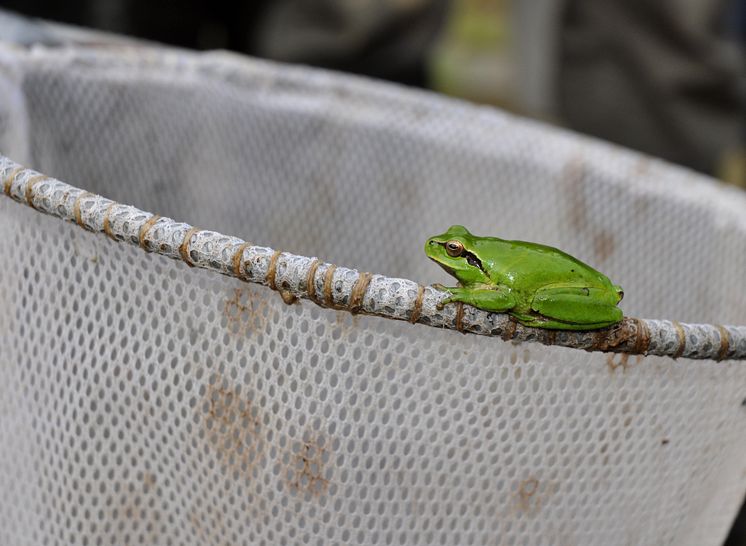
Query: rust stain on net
(573, 176)
(307, 471)
(136, 509)
(613, 364)
(532, 494)
(232, 427)
(603, 245)
(244, 313)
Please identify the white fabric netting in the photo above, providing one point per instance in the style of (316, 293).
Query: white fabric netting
(146, 402)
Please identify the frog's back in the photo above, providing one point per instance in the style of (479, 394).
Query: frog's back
(540, 265)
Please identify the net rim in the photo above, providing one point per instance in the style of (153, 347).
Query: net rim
(327, 285)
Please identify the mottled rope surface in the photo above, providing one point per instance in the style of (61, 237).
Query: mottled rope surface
(338, 287)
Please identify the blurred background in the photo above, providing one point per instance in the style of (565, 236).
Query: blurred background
(665, 77)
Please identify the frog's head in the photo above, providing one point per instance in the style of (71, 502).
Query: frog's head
(455, 251)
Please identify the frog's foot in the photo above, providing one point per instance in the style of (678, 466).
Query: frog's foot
(442, 303)
(446, 301)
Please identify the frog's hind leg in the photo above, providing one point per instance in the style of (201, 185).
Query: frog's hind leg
(574, 308)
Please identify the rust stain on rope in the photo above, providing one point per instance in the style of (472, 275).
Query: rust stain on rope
(358, 292)
(76, 208)
(328, 278)
(30, 184)
(682, 339)
(11, 178)
(272, 270)
(286, 295)
(460, 317)
(184, 246)
(629, 336)
(238, 259)
(417, 308)
(311, 280)
(144, 230)
(724, 342)
(107, 221)
(509, 332)
(642, 341)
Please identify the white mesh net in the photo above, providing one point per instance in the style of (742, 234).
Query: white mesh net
(145, 402)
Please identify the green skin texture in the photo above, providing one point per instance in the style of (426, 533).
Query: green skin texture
(540, 286)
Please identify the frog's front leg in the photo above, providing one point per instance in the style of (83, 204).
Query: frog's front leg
(496, 300)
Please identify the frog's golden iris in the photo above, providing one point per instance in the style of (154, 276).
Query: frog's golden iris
(454, 248)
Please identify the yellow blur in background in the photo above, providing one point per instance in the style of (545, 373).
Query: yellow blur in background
(664, 78)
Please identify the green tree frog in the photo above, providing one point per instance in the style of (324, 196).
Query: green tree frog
(539, 285)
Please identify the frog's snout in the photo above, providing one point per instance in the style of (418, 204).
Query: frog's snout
(431, 246)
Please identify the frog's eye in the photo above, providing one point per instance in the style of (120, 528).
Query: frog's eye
(454, 248)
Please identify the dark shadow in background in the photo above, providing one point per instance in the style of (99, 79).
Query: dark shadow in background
(664, 77)
(387, 39)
